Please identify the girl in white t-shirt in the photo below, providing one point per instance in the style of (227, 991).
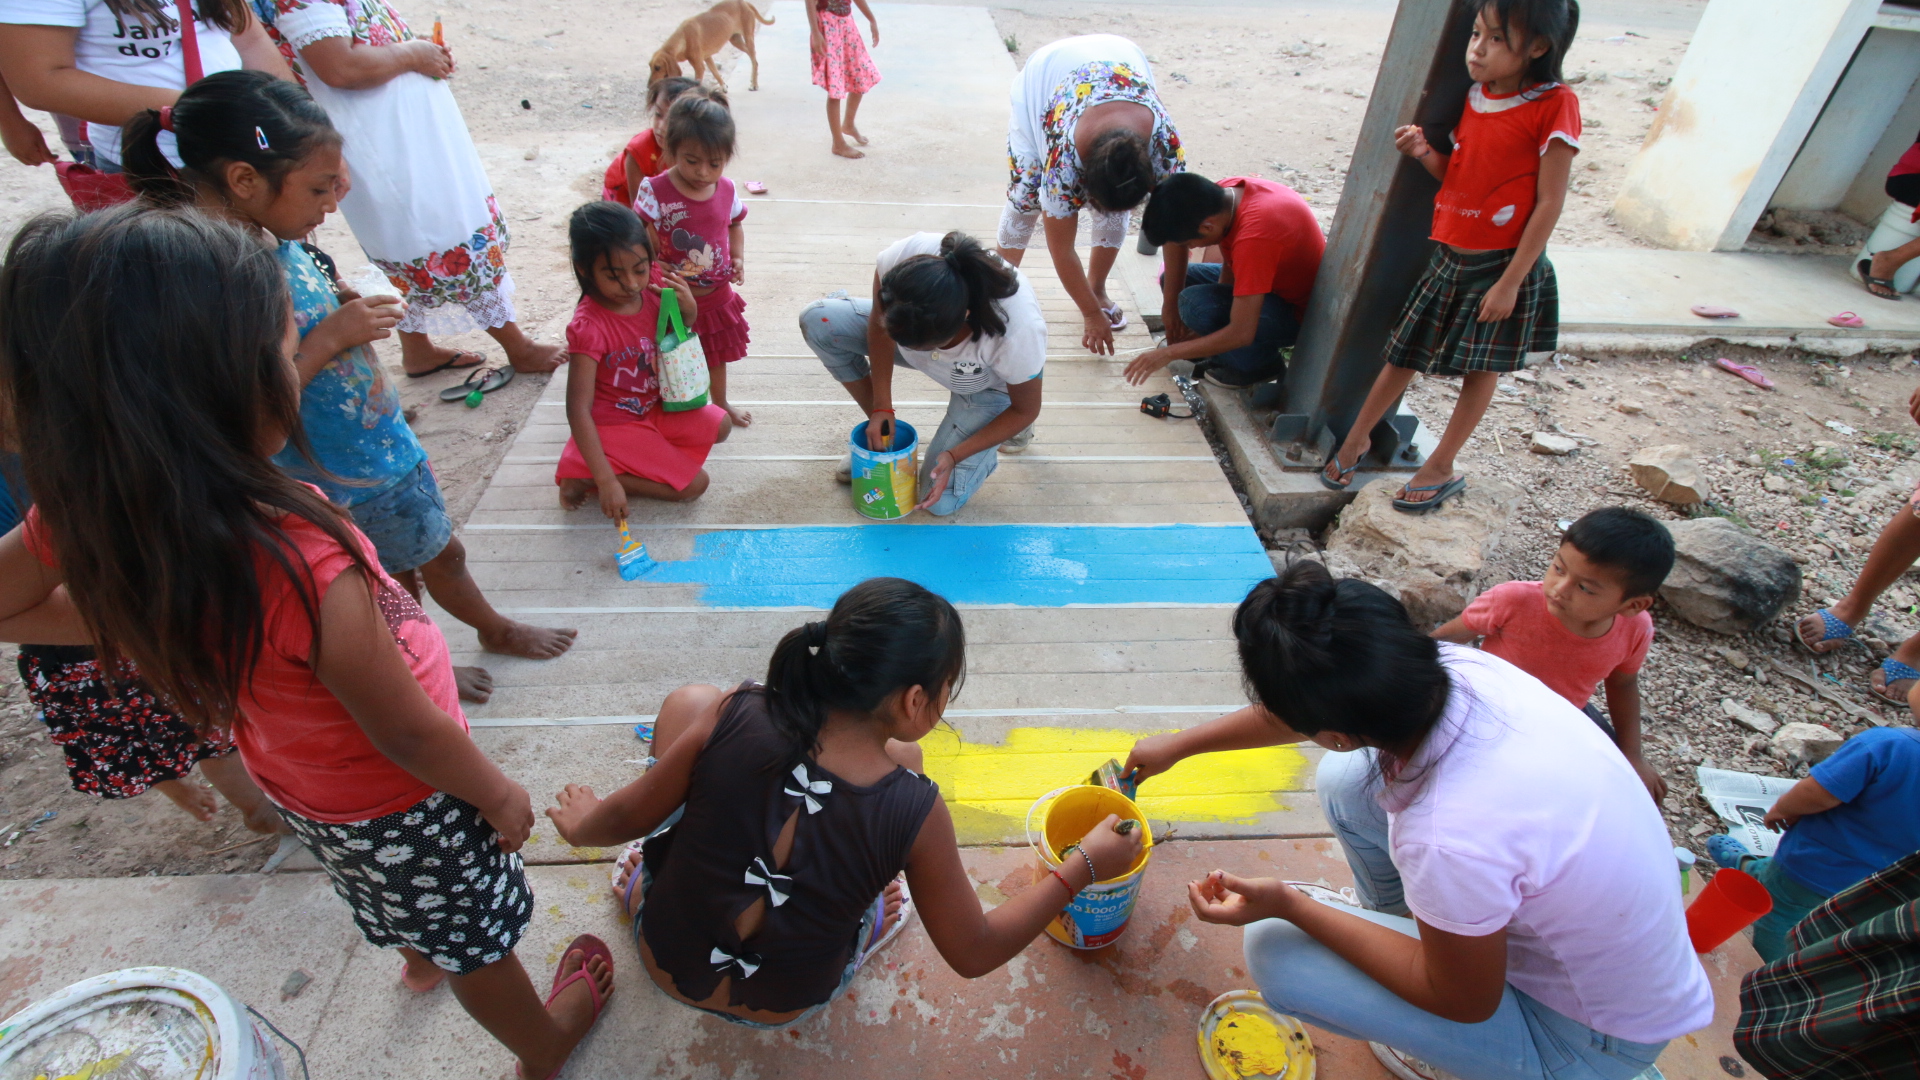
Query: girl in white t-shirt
(957, 313)
(1539, 877)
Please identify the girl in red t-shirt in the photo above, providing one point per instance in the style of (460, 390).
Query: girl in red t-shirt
(1488, 301)
(643, 156)
(146, 358)
(624, 444)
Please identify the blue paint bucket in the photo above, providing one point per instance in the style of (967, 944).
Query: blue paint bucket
(884, 481)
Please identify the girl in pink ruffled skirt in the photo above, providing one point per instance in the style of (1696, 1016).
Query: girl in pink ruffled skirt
(842, 67)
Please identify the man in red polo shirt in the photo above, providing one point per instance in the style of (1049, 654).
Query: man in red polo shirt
(1236, 315)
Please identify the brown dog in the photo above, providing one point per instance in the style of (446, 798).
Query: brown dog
(701, 37)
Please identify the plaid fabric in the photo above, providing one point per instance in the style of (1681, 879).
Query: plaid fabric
(1844, 1004)
(1439, 332)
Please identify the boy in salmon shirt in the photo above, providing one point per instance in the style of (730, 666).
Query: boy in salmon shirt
(1586, 624)
(1238, 314)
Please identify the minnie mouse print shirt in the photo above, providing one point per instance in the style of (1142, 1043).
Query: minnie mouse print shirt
(985, 362)
(693, 232)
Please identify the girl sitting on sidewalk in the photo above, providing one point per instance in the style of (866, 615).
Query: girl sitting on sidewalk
(146, 357)
(779, 816)
(645, 154)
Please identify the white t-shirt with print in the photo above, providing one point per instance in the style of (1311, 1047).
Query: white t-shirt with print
(1520, 814)
(125, 52)
(985, 362)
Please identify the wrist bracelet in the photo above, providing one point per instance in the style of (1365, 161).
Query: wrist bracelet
(1092, 874)
(889, 412)
(1071, 891)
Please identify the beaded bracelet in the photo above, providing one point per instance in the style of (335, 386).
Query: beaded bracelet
(1071, 891)
(1092, 874)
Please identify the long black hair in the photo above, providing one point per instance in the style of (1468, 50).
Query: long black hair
(597, 228)
(1530, 20)
(141, 368)
(1117, 171)
(229, 116)
(883, 636)
(1340, 655)
(930, 298)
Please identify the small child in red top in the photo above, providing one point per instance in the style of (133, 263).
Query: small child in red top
(1488, 301)
(696, 216)
(1587, 623)
(642, 156)
(624, 443)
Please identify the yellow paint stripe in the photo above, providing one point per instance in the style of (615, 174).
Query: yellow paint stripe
(989, 787)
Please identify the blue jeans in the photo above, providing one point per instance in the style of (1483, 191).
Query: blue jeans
(836, 330)
(1523, 1040)
(407, 522)
(1792, 902)
(1206, 306)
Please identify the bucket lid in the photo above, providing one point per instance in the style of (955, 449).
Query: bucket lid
(163, 1023)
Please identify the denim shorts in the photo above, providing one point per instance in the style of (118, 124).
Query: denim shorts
(407, 523)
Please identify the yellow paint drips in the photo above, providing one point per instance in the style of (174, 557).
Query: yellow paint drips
(989, 787)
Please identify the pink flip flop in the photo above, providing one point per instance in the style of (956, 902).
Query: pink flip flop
(1745, 371)
(755, 187)
(1709, 311)
(1849, 320)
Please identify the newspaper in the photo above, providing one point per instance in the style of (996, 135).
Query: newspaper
(1743, 799)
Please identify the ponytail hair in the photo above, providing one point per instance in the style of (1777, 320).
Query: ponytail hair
(883, 636)
(1117, 171)
(229, 116)
(930, 298)
(1341, 655)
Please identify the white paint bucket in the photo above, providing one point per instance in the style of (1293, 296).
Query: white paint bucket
(152, 1022)
(1896, 227)
(1100, 912)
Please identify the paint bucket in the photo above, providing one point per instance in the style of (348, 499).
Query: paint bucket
(884, 480)
(157, 1022)
(1731, 902)
(1098, 916)
(1896, 227)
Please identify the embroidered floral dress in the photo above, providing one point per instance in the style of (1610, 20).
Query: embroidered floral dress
(421, 205)
(1059, 84)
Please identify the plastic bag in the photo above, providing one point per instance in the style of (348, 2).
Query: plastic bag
(682, 363)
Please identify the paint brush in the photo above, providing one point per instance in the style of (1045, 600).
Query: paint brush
(632, 556)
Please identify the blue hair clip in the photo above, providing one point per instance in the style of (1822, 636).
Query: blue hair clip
(261, 138)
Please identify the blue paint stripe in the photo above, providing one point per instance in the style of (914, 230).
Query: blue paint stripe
(1029, 565)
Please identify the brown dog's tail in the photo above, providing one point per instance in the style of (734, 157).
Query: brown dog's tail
(767, 19)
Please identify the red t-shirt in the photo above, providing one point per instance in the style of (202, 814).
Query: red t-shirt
(1275, 243)
(1909, 162)
(1518, 628)
(645, 152)
(1494, 173)
(297, 741)
(626, 384)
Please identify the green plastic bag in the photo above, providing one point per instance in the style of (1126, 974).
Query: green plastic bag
(682, 363)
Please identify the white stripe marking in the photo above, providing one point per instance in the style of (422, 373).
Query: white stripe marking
(951, 714)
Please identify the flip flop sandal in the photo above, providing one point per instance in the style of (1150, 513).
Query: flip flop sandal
(590, 947)
(1711, 311)
(1346, 473)
(490, 379)
(452, 362)
(1893, 671)
(1832, 629)
(755, 187)
(1848, 320)
(629, 857)
(1745, 371)
(899, 922)
(1864, 271)
(1441, 493)
(1116, 318)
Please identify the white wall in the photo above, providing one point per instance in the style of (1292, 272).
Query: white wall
(1876, 84)
(1754, 79)
(1867, 198)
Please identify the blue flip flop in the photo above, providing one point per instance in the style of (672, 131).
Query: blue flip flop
(1832, 629)
(1346, 474)
(1892, 671)
(1443, 491)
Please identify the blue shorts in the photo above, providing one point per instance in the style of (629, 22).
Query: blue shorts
(407, 523)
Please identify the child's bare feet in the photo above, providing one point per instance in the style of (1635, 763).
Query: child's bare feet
(896, 899)
(853, 133)
(532, 642)
(194, 798)
(474, 684)
(574, 492)
(846, 151)
(739, 416)
(418, 973)
(572, 1010)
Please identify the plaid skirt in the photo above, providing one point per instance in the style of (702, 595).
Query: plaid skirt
(1439, 332)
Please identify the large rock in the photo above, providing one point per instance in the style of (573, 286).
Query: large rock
(1669, 474)
(1810, 743)
(1432, 561)
(1726, 579)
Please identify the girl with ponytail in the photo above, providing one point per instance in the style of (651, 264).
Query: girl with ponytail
(1515, 883)
(780, 817)
(955, 311)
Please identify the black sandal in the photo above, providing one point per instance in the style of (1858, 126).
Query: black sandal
(452, 362)
(491, 379)
(1864, 268)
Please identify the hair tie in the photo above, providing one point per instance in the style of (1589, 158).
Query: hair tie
(261, 138)
(816, 636)
(166, 118)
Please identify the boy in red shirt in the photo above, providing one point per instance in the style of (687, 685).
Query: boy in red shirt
(1237, 315)
(1587, 623)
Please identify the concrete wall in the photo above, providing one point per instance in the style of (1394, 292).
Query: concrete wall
(1866, 198)
(1754, 79)
(1854, 124)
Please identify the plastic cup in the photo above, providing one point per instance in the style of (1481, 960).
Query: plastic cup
(1730, 903)
(370, 282)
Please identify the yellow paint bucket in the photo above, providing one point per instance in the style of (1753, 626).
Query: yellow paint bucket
(1098, 916)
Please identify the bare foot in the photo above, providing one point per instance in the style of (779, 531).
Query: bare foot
(266, 819)
(533, 358)
(439, 357)
(532, 642)
(896, 899)
(1408, 493)
(573, 1009)
(853, 133)
(418, 973)
(474, 684)
(574, 492)
(846, 151)
(194, 798)
(739, 416)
